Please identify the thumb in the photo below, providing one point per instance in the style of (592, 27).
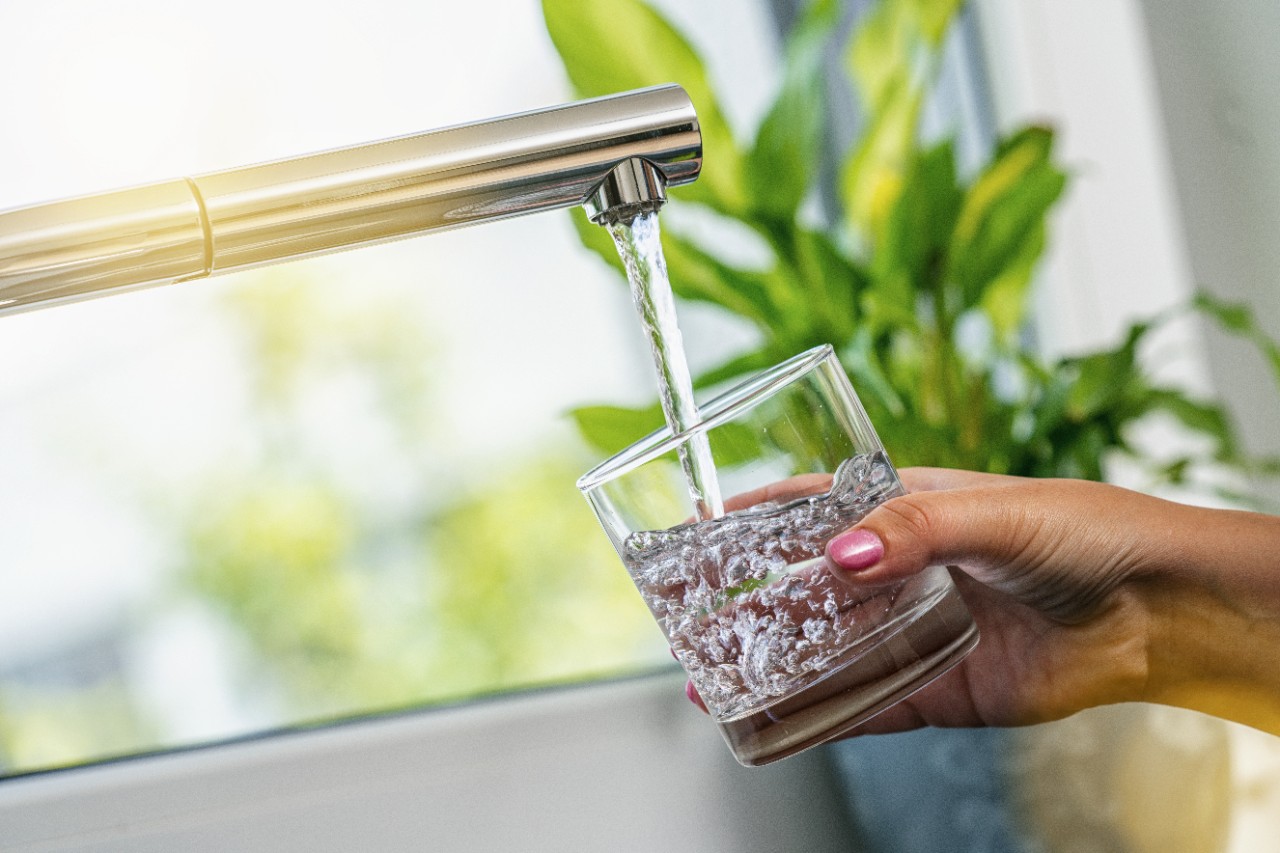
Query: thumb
(972, 528)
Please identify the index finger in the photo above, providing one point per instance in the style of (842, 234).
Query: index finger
(801, 486)
(945, 479)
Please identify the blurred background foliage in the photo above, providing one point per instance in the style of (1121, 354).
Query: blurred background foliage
(917, 271)
(345, 589)
(351, 600)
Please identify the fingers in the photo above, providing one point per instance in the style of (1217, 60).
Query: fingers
(972, 527)
(692, 693)
(941, 479)
(1058, 546)
(782, 492)
(948, 516)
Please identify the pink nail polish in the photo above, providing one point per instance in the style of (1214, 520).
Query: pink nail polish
(855, 550)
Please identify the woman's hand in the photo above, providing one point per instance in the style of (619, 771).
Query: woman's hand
(1045, 567)
(1085, 594)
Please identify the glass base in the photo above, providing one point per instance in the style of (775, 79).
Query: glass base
(871, 680)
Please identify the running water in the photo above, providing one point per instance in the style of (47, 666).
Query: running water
(639, 244)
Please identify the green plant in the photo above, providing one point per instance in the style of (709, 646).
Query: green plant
(922, 277)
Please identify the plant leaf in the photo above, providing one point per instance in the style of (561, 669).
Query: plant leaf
(879, 56)
(781, 165)
(611, 46)
(834, 285)
(872, 177)
(1000, 227)
(892, 58)
(911, 252)
(735, 444)
(1004, 299)
(1102, 379)
(611, 429)
(697, 275)
(868, 376)
(738, 366)
(933, 17)
(1238, 319)
(1208, 419)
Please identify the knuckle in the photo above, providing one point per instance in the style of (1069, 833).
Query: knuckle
(910, 515)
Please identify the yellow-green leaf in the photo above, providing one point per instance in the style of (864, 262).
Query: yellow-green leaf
(611, 46)
(933, 17)
(873, 177)
(999, 232)
(610, 429)
(880, 52)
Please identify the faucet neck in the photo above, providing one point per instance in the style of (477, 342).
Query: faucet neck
(615, 154)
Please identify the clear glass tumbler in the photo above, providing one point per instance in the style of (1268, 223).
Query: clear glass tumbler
(784, 651)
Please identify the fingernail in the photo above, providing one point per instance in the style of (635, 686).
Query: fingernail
(694, 697)
(855, 550)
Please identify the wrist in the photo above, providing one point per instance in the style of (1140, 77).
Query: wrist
(1214, 618)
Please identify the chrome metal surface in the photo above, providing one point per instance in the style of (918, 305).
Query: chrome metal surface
(614, 154)
(67, 250)
(633, 187)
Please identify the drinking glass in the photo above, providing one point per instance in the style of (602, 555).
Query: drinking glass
(786, 651)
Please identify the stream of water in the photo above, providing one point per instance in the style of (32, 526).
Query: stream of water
(640, 246)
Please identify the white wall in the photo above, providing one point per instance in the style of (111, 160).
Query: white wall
(1115, 254)
(1217, 72)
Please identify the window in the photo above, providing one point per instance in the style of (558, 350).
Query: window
(318, 489)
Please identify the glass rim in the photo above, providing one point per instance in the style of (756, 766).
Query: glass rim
(720, 409)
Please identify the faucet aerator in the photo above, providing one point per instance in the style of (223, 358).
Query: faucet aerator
(632, 188)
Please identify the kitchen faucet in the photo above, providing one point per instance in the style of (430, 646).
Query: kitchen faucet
(615, 155)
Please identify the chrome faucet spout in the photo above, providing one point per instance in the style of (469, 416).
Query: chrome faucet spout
(633, 187)
(616, 155)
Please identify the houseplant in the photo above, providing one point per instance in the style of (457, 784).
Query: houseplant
(920, 275)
